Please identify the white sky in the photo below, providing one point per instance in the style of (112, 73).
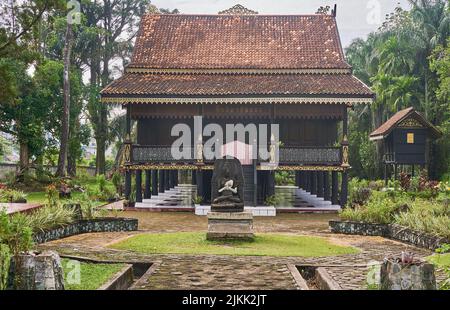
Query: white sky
(356, 18)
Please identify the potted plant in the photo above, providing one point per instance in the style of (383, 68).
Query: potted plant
(197, 200)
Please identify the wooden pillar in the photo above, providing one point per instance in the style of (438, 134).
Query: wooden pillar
(314, 183)
(255, 184)
(344, 188)
(334, 188)
(301, 179)
(345, 162)
(166, 180)
(200, 183)
(171, 179)
(326, 186)
(148, 181)
(308, 181)
(297, 178)
(127, 152)
(161, 181)
(319, 184)
(138, 185)
(155, 182)
(271, 183)
(194, 177)
(385, 175)
(127, 184)
(175, 177)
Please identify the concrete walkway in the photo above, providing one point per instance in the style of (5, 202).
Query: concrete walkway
(12, 208)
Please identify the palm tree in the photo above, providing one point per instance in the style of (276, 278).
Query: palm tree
(432, 28)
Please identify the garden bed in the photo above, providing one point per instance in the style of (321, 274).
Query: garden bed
(87, 226)
(391, 231)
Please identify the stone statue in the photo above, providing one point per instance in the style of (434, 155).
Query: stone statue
(227, 186)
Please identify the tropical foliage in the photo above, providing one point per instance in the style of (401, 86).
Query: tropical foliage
(406, 63)
(414, 206)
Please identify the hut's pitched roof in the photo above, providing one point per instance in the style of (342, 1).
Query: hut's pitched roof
(386, 128)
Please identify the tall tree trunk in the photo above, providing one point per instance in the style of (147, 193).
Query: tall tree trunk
(24, 158)
(71, 165)
(64, 140)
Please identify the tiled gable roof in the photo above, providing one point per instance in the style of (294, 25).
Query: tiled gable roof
(238, 41)
(397, 118)
(135, 84)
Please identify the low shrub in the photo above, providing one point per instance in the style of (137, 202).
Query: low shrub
(426, 216)
(378, 209)
(360, 196)
(49, 217)
(5, 258)
(11, 195)
(88, 208)
(359, 191)
(15, 231)
(376, 185)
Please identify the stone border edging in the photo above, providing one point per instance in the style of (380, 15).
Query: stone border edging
(391, 231)
(87, 226)
(142, 280)
(122, 280)
(298, 277)
(326, 282)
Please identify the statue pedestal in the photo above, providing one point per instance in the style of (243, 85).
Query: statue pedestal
(230, 226)
(231, 207)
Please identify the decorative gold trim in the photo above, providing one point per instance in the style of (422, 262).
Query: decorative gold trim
(410, 123)
(310, 168)
(345, 162)
(127, 154)
(210, 167)
(263, 100)
(237, 71)
(163, 167)
(238, 9)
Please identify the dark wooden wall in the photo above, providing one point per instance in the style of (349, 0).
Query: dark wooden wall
(406, 153)
(293, 132)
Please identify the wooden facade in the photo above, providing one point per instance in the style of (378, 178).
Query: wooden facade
(307, 96)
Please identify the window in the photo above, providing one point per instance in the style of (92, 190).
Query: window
(410, 138)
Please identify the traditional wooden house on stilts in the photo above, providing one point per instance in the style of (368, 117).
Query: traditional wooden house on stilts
(239, 67)
(405, 139)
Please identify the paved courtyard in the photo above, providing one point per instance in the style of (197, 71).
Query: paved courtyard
(176, 271)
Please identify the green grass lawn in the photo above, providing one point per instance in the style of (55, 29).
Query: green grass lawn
(441, 260)
(90, 185)
(39, 197)
(264, 245)
(92, 275)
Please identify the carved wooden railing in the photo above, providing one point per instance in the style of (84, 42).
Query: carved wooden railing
(314, 155)
(288, 155)
(389, 158)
